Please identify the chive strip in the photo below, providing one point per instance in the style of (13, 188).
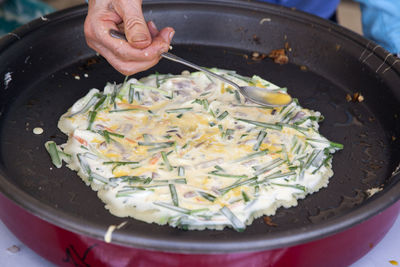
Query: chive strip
(174, 208)
(298, 128)
(181, 171)
(145, 87)
(223, 115)
(324, 162)
(102, 179)
(237, 96)
(88, 105)
(226, 175)
(166, 161)
(131, 179)
(271, 165)
(260, 138)
(172, 181)
(331, 144)
(174, 195)
(167, 144)
(251, 156)
(84, 164)
(178, 110)
(296, 186)
(128, 192)
(245, 197)
(51, 148)
(120, 162)
(207, 196)
(100, 102)
(236, 223)
(131, 94)
(262, 124)
(235, 185)
(92, 117)
(276, 175)
(124, 110)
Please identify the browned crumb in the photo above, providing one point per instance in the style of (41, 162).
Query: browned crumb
(303, 68)
(371, 245)
(338, 46)
(279, 56)
(257, 56)
(268, 221)
(356, 97)
(393, 138)
(393, 262)
(14, 249)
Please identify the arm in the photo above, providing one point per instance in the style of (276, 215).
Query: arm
(145, 43)
(381, 22)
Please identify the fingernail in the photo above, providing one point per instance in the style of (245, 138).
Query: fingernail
(171, 35)
(153, 25)
(139, 37)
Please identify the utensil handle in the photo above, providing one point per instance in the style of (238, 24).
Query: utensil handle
(175, 58)
(172, 57)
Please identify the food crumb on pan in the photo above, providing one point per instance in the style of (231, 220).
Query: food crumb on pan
(77, 77)
(86, 75)
(279, 56)
(303, 68)
(356, 97)
(13, 249)
(265, 20)
(268, 221)
(38, 130)
(111, 229)
(257, 56)
(393, 262)
(372, 191)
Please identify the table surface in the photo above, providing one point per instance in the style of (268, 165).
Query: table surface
(380, 256)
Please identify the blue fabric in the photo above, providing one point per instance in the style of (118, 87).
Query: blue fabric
(14, 13)
(381, 22)
(322, 8)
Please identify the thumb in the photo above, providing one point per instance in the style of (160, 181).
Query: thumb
(135, 26)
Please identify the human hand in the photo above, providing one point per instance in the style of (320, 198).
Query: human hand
(145, 43)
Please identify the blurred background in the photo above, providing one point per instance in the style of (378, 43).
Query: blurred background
(348, 13)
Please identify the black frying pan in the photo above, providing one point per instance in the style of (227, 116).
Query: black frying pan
(326, 62)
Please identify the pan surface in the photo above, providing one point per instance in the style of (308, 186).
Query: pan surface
(46, 66)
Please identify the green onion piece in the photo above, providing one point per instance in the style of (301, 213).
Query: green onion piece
(324, 162)
(276, 175)
(223, 115)
(174, 208)
(166, 144)
(145, 87)
(236, 223)
(178, 110)
(271, 165)
(253, 155)
(131, 94)
(51, 148)
(166, 161)
(237, 96)
(181, 171)
(219, 168)
(124, 110)
(235, 185)
(226, 175)
(296, 186)
(120, 162)
(261, 124)
(84, 164)
(102, 179)
(245, 197)
(174, 195)
(105, 132)
(146, 138)
(207, 196)
(129, 191)
(100, 102)
(205, 104)
(260, 138)
(88, 105)
(92, 117)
